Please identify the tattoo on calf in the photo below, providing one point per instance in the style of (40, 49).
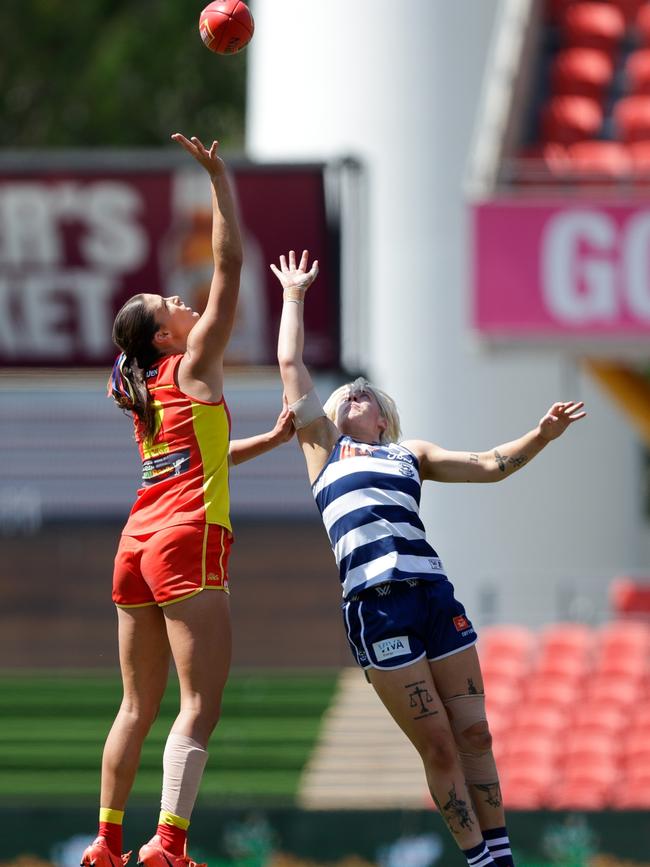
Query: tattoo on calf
(492, 793)
(420, 698)
(456, 813)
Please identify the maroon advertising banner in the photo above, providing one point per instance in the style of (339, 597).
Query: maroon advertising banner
(74, 246)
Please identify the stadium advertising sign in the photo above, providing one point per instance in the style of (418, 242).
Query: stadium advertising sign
(74, 245)
(557, 270)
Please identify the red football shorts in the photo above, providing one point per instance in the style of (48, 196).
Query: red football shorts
(172, 564)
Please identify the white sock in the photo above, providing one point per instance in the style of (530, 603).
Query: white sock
(183, 763)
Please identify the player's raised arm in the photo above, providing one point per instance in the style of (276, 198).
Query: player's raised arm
(502, 461)
(206, 344)
(316, 433)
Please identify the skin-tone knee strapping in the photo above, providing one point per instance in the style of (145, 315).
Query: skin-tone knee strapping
(464, 712)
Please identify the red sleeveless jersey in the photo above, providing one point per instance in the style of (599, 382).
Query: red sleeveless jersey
(185, 464)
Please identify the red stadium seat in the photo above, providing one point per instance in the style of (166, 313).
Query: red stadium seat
(595, 747)
(569, 638)
(637, 71)
(624, 638)
(568, 119)
(526, 783)
(506, 640)
(642, 24)
(627, 666)
(637, 774)
(613, 691)
(542, 720)
(501, 696)
(525, 747)
(593, 25)
(583, 770)
(636, 748)
(635, 798)
(639, 717)
(632, 118)
(598, 161)
(631, 596)
(550, 692)
(504, 669)
(579, 796)
(640, 158)
(521, 793)
(599, 718)
(582, 72)
(561, 666)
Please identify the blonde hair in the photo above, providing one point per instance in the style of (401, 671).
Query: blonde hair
(392, 432)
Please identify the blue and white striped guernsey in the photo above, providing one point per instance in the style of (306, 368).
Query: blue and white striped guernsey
(369, 498)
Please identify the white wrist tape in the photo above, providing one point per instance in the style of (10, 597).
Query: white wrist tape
(306, 409)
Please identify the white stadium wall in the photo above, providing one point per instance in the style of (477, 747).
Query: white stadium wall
(398, 87)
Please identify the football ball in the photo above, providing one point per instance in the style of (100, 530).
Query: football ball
(226, 26)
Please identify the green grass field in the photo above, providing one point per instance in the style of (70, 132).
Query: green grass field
(53, 725)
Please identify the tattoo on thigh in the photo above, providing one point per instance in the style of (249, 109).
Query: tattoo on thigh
(492, 792)
(471, 689)
(456, 813)
(420, 698)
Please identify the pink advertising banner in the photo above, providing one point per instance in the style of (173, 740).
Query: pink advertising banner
(559, 269)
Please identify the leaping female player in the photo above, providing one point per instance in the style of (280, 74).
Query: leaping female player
(404, 626)
(170, 580)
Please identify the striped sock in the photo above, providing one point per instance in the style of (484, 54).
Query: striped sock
(479, 856)
(172, 831)
(498, 843)
(110, 828)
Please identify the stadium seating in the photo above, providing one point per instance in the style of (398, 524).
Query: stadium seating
(637, 71)
(593, 97)
(568, 119)
(582, 72)
(598, 161)
(593, 25)
(630, 596)
(577, 731)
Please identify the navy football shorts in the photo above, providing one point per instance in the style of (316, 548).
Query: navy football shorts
(394, 624)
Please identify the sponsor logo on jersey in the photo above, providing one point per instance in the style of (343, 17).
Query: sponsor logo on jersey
(461, 622)
(387, 648)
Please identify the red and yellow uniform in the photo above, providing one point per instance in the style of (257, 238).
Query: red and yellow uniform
(177, 538)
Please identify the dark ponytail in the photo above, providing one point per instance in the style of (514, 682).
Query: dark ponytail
(133, 332)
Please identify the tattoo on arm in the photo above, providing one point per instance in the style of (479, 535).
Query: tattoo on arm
(492, 793)
(503, 461)
(420, 699)
(518, 461)
(473, 458)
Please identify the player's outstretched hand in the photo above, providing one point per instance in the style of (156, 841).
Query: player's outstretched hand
(559, 417)
(296, 277)
(209, 159)
(284, 428)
